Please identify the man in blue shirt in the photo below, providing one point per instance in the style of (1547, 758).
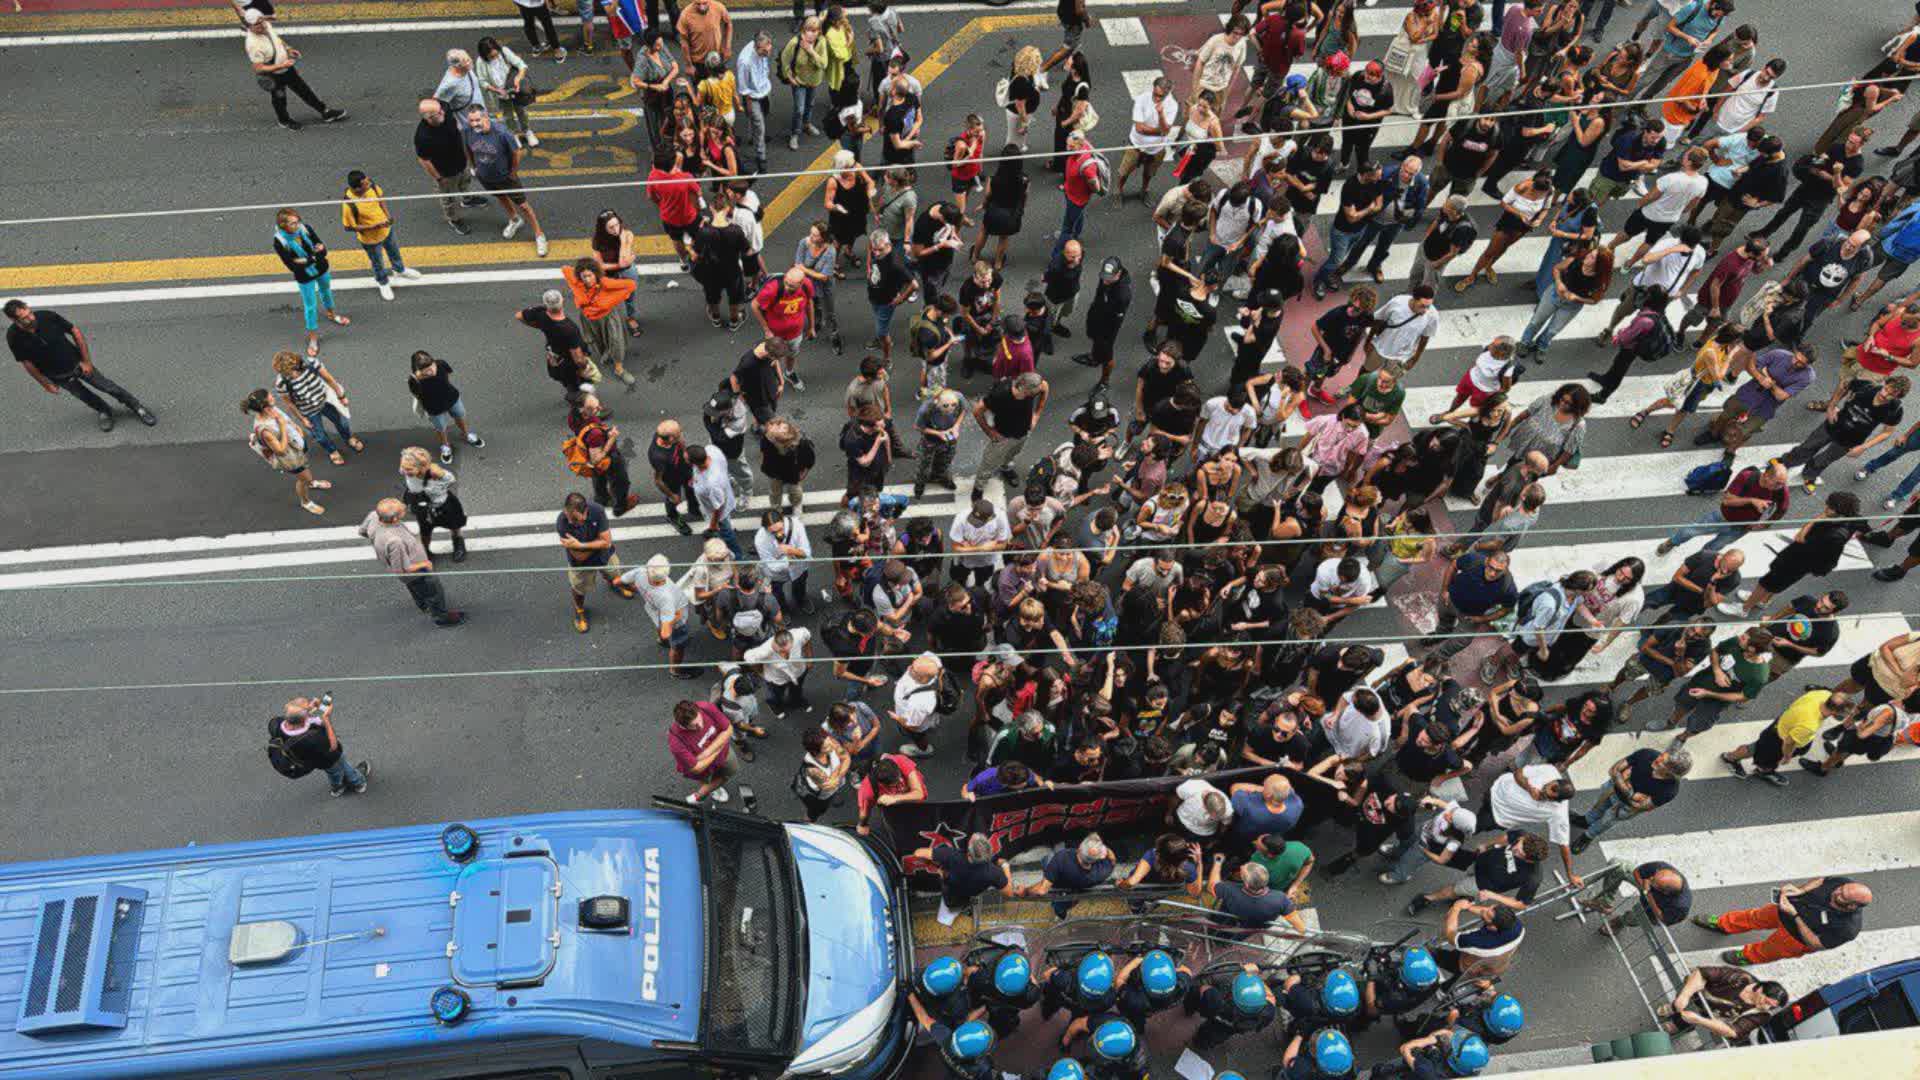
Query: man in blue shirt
(1249, 904)
(751, 71)
(1476, 590)
(1631, 156)
(1269, 808)
(1687, 35)
(1084, 866)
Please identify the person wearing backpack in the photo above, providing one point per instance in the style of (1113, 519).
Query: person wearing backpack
(1647, 337)
(1897, 245)
(917, 700)
(1540, 614)
(303, 740)
(1756, 495)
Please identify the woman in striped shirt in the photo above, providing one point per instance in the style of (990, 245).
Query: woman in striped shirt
(311, 392)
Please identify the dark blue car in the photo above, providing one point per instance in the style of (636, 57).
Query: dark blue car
(1884, 999)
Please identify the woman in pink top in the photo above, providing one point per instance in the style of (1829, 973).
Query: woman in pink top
(1335, 445)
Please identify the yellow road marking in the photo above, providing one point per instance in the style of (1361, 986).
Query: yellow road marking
(347, 256)
(290, 17)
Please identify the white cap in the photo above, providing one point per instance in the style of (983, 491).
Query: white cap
(1465, 821)
(251, 16)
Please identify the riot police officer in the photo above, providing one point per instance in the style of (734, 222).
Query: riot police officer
(1118, 1052)
(1321, 1055)
(1004, 984)
(967, 1050)
(1090, 988)
(1444, 1055)
(1496, 1022)
(1331, 1001)
(1408, 982)
(1151, 983)
(940, 988)
(1245, 1005)
(1064, 1069)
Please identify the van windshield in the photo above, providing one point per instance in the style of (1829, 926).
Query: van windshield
(755, 940)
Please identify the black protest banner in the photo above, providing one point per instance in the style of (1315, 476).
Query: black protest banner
(1050, 816)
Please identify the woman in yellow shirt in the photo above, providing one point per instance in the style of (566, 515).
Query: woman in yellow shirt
(1712, 369)
(718, 90)
(363, 210)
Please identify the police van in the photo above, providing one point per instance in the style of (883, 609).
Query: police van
(591, 945)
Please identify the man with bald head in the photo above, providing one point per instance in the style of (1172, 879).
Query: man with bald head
(1705, 580)
(406, 557)
(1821, 914)
(916, 699)
(1754, 497)
(442, 151)
(672, 472)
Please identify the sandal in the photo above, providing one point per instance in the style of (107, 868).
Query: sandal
(312, 507)
(1638, 419)
(356, 445)
(1464, 284)
(321, 485)
(633, 327)
(338, 319)
(313, 350)
(1666, 439)
(337, 458)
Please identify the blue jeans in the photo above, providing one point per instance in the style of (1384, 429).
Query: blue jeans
(342, 774)
(1413, 856)
(802, 106)
(1217, 264)
(317, 426)
(379, 254)
(1611, 810)
(1073, 219)
(1906, 445)
(1710, 524)
(727, 537)
(1381, 236)
(1550, 316)
(1339, 243)
(1543, 277)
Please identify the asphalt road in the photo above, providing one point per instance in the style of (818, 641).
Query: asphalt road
(453, 723)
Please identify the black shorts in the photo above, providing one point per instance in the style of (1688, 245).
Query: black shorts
(961, 187)
(1769, 752)
(1510, 223)
(502, 186)
(1871, 691)
(1003, 221)
(1638, 224)
(682, 233)
(1789, 568)
(1874, 747)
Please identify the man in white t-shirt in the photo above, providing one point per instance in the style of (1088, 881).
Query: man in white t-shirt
(1226, 420)
(1669, 200)
(1235, 212)
(1155, 122)
(782, 663)
(1341, 587)
(915, 697)
(1670, 267)
(713, 489)
(1201, 811)
(976, 539)
(1407, 323)
(1752, 94)
(1534, 798)
(1361, 729)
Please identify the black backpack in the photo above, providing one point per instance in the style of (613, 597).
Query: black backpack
(280, 752)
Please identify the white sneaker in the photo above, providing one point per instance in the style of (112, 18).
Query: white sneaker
(532, 139)
(1744, 594)
(1728, 607)
(410, 274)
(793, 142)
(1040, 80)
(540, 245)
(916, 751)
(720, 795)
(513, 226)
(386, 290)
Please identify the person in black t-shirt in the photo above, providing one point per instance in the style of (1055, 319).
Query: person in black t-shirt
(1450, 235)
(59, 357)
(889, 284)
(1815, 916)
(1337, 333)
(1007, 414)
(672, 472)
(1641, 783)
(306, 735)
(1361, 197)
(1466, 153)
(854, 642)
(966, 873)
(567, 360)
(1806, 626)
(718, 246)
(1815, 549)
(442, 152)
(1822, 176)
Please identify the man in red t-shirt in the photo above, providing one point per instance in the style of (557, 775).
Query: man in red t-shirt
(700, 737)
(1082, 184)
(784, 307)
(1756, 495)
(963, 163)
(894, 779)
(677, 194)
(1281, 39)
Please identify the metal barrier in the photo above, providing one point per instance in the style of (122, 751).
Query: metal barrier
(1645, 946)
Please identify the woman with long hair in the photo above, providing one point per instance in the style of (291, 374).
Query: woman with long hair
(1199, 138)
(1459, 60)
(1522, 210)
(611, 246)
(804, 64)
(299, 247)
(435, 504)
(1599, 616)
(1586, 127)
(1006, 205)
(503, 79)
(1482, 427)
(1023, 94)
(312, 393)
(719, 157)
(1407, 56)
(1076, 97)
(1578, 281)
(849, 204)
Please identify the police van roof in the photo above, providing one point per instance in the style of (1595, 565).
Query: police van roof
(211, 958)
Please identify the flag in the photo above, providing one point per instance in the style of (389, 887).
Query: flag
(625, 18)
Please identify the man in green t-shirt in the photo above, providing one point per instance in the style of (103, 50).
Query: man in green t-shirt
(1735, 675)
(1286, 861)
(1379, 395)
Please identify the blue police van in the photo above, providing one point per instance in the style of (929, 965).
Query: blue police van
(593, 945)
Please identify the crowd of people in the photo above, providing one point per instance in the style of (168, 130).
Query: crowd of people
(1153, 596)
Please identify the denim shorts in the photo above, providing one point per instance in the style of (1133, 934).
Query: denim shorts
(442, 421)
(882, 319)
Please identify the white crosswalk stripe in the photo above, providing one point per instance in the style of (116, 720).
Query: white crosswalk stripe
(1124, 30)
(1630, 476)
(1636, 392)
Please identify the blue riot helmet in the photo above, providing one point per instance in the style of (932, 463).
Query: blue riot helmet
(1249, 993)
(1417, 969)
(942, 977)
(1469, 1053)
(1157, 973)
(1094, 976)
(1332, 1053)
(1012, 974)
(971, 1040)
(1228, 1074)
(1066, 1069)
(1114, 1040)
(1340, 994)
(1504, 1016)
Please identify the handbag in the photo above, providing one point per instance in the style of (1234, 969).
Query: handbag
(1089, 119)
(1002, 92)
(525, 94)
(1400, 56)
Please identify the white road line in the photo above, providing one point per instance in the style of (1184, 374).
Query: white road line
(1784, 851)
(297, 30)
(1370, 22)
(311, 557)
(1591, 771)
(283, 287)
(1124, 30)
(1531, 563)
(1808, 973)
(1630, 476)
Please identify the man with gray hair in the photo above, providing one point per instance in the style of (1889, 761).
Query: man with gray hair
(1250, 904)
(1449, 237)
(967, 872)
(459, 87)
(441, 148)
(402, 553)
(890, 283)
(667, 606)
(494, 154)
(1639, 783)
(1008, 413)
(916, 700)
(1200, 811)
(752, 72)
(1086, 865)
(567, 361)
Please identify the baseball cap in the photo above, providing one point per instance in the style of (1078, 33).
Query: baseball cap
(1111, 268)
